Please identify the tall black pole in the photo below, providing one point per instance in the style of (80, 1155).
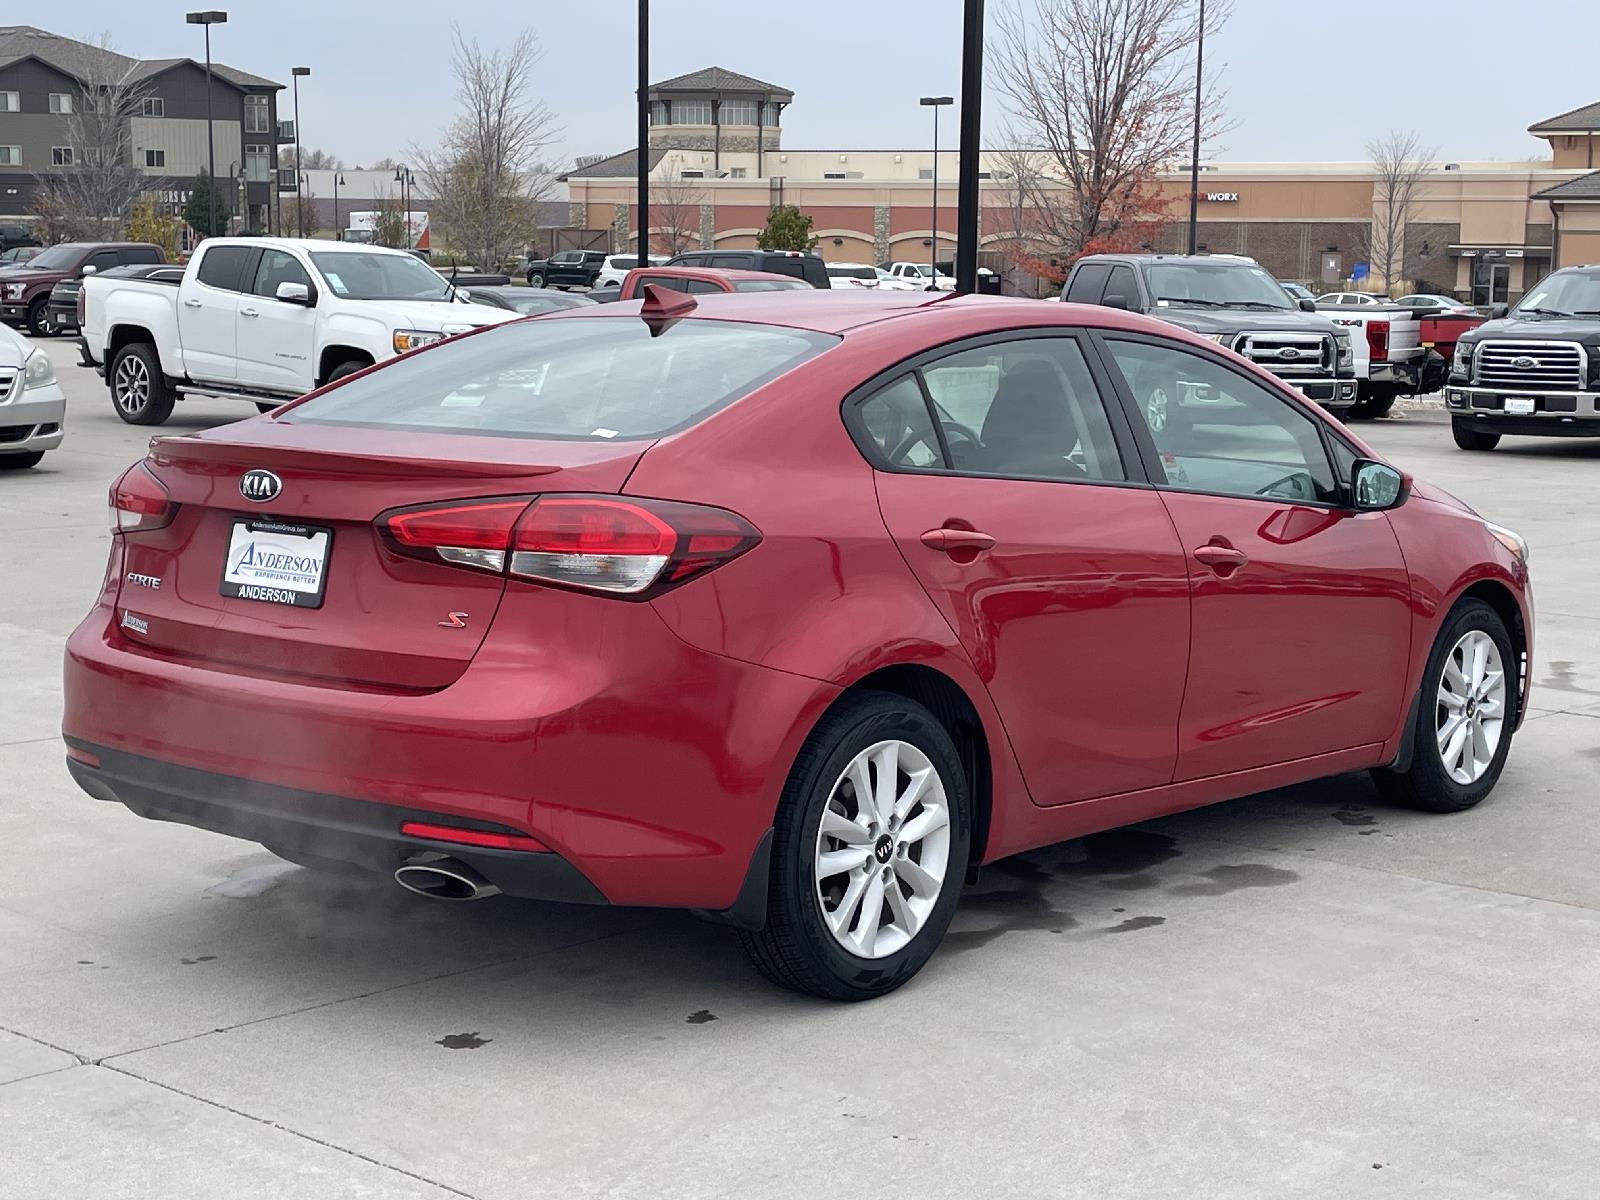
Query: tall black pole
(1194, 164)
(933, 254)
(971, 146)
(644, 133)
(211, 143)
(299, 200)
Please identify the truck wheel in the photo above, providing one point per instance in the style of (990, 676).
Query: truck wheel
(139, 390)
(349, 367)
(536, 279)
(40, 323)
(1469, 438)
(1373, 400)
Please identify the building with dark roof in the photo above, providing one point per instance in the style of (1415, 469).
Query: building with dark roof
(44, 77)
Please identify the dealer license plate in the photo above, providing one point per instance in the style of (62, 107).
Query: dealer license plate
(276, 563)
(1520, 406)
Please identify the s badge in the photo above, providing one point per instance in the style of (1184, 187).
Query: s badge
(456, 620)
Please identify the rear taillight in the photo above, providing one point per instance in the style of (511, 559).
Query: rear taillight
(615, 545)
(82, 297)
(1378, 341)
(139, 502)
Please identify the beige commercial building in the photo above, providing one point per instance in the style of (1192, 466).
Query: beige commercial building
(1482, 230)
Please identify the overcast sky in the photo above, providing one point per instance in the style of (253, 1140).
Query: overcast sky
(1304, 82)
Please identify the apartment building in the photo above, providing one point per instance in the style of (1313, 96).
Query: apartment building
(44, 77)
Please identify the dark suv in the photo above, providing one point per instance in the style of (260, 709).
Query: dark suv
(25, 290)
(809, 267)
(13, 235)
(568, 268)
(1233, 302)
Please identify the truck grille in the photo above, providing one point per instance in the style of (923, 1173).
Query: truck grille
(1291, 355)
(1531, 366)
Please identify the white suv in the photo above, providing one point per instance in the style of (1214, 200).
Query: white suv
(616, 268)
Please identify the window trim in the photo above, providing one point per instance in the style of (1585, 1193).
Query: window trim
(153, 107)
(1150, 457)
(153, 166)
(70, 159)
(14, 160)
(50, 104)
(1129, 450)
(15, 104)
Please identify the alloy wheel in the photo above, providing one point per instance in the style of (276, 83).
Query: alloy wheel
(131, 385)
(882, 849)
(1471, 707)
(1155, 410)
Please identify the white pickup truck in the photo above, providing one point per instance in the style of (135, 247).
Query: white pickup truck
(1390, 359)
(264, 319)
(923, 275)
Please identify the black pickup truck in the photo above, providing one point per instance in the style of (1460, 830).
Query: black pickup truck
(566, 269)
(1535, 370)
(1233, 302)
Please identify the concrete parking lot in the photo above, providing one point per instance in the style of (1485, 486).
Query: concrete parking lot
(1300, 994)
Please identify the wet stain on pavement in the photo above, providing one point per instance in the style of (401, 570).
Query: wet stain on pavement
(1222, 880)
(1354, 814)
(1563, 678)
(703, 1016)
(189, 962)
(1132, 924)
(462, 1041)
(249, 882)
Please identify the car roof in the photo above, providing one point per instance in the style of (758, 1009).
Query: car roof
(512, 292)
(716, 273)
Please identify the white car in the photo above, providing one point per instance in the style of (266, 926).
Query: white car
(616, 267)
(890, 282)
(266, 320)
(1351, 299)
(1443, 304)
(32, 406)
(923, 276)
(852, 275)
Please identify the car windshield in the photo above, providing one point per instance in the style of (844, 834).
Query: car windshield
(378, 276)
(1564, 292)
(57, 258)
(852, 273)
(593, 379)
(922, 268)
(1214, 284)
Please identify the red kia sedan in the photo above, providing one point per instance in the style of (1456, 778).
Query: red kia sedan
(790, 608)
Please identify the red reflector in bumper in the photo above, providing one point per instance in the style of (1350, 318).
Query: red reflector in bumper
(83, 756)
(472, 837)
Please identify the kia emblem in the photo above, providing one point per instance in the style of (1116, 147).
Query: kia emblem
(260, 486)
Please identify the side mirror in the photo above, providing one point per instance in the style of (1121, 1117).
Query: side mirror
(88, 270)
(464, 295)
(294, 293)
(1307, 305)
(1114, 302)
(1377, 486)
(1496, 311)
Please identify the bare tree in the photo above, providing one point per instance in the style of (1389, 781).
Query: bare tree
(675, 208)
(487, 174)
(1399, 163)
(310, 160)
(95, 189)
(1104, 89)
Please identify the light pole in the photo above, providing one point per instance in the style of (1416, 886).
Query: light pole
(1194, 163)
(299, 200)
(338, 227)
(643, 165)
(404, 177)
(971, 131)
(208, 19)
(935, 103)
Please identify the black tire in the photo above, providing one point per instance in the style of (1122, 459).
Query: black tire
(1470, 438)
(349, 367)
(21, 462)
(1373, 400)
(536, 279)
(795, 949)
(139, 390)
(1426, 784)
(39, 322)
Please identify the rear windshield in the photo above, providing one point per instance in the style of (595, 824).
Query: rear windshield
(593, 379)
(852, 272)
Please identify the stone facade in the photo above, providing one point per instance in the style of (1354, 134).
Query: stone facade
(674, 137)
(708, 226)
(578, 215)
(880, 233)
(619, 225)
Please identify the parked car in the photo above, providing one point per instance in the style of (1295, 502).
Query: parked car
(525, 302)
(861, 275)
(18, 255)
(1533, 371)
(264, 319)
(1390, 359)
(568, 268)
(33, 408)
(617, 266)
(1297, 292)
(786, 610)
(890, 282)
(808, 267)
(701, 280)
(25, 289)
(63, 305)
(1232, 302)
(1351, 299)
(15, 235)
(923, 276)
(1437, 304)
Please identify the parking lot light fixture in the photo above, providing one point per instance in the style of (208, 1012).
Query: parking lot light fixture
(299, 207)
(935, 103)
(209, 18)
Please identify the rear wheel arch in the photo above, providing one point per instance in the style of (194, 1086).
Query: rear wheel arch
(124, 335)
(334, 357)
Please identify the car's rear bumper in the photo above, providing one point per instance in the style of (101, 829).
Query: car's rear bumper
(650, 768)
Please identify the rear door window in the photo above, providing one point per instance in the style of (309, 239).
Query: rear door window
(221, 267)
(102, 260)
(589, 379)
(140, 254)
(1123, 284)
(783, 265)
(1089, 283)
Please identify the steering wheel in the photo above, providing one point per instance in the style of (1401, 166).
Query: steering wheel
(955, 432)
(1297, 486)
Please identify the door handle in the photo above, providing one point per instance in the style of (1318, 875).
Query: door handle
(192, 304)
(249, 312)
(949, 540)
(1224, 560)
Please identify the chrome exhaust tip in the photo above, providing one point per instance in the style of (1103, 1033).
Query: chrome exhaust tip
(444, 879)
